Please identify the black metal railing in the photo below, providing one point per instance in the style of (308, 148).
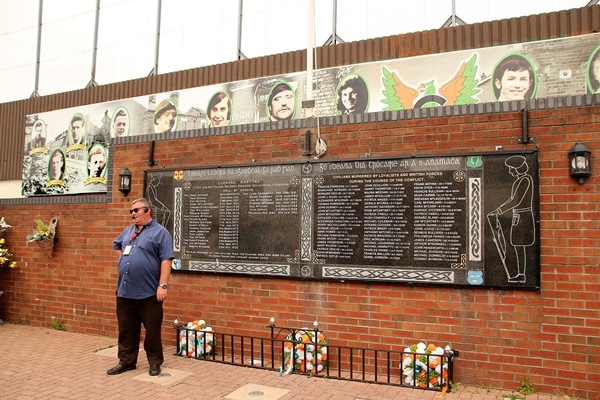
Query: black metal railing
(305, 351)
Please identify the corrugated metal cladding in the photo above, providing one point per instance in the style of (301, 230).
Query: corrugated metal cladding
(538, 27)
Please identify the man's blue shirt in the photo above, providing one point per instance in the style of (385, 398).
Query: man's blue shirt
(139, 271)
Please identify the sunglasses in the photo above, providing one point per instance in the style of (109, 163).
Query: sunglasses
(134, 210)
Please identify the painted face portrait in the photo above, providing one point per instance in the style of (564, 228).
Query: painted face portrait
(281, 102)
(596, 68)
(219, 110)
(57, 166)
(165, 117)
(349, 99)
(593, 72)
(120, 125)
(39, 136)
(514, 85)
(352, 95)
(96, 163)
(38, 131)
(77, 130)
(513, 79)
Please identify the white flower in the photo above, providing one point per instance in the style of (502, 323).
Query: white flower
(421, 364)
(3, 224)
(308, 356)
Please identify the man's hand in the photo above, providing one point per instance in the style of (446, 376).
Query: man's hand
(161, 294)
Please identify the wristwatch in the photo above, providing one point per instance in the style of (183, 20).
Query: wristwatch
(163, 286)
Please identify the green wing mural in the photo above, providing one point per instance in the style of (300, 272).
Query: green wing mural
(457, 91)
(398, 96)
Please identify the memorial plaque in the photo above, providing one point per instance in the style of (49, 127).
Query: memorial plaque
(461, 220)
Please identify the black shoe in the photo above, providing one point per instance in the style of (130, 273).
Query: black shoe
(154, 370)
(119, 369)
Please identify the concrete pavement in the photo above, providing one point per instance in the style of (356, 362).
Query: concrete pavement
(40, 363)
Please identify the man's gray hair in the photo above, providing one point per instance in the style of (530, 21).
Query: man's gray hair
(144, 201)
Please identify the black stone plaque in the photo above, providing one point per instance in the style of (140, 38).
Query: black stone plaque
(463, 220)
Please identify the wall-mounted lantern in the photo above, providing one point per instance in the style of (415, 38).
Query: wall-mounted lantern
(125, 181)
(579, 162)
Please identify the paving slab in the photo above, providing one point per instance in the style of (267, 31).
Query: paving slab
(43, 363)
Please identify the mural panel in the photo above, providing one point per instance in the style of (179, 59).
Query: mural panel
(522, 71)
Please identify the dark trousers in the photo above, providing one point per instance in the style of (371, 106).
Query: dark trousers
(131, 314)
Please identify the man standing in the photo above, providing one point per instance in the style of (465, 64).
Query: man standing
(145, 251)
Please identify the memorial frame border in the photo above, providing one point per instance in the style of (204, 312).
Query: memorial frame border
(305, 263)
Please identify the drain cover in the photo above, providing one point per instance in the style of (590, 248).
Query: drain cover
(256, 393)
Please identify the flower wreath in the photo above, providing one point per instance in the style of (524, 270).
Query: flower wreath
(195, 339)
(308, 355)
(424, 366)
(5, 254)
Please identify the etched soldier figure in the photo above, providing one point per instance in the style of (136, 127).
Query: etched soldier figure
(522, 228)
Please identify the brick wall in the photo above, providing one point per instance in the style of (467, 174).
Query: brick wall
(550, 337)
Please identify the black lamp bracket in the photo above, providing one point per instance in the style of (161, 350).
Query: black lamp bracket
(525, 128)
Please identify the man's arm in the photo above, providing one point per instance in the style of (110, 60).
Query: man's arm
(165, 274)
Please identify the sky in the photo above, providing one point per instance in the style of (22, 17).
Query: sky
(199, 33)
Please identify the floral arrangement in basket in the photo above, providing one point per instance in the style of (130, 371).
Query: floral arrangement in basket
(5, 254)
(303, 353)
(44, 234)
(191, 339)
(424, 366)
